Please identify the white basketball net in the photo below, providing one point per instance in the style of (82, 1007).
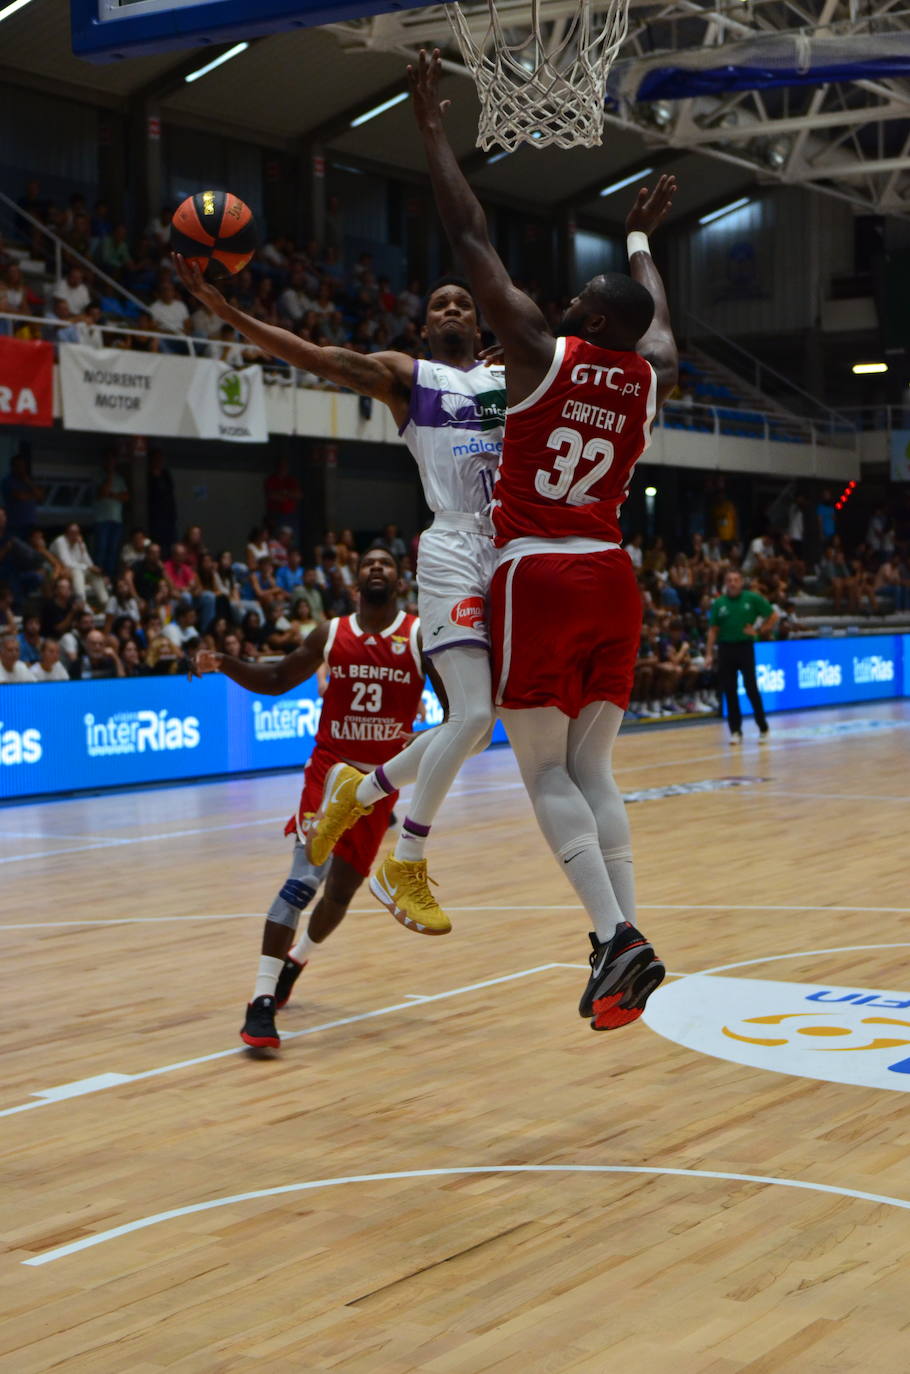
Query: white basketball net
(541, 91)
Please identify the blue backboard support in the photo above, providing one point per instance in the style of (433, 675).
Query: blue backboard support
(105, 30)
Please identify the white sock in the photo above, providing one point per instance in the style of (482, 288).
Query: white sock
(622, 881)
(584, 867)
(267, 977)
(304, 949)
(371, 790)
(412, 841)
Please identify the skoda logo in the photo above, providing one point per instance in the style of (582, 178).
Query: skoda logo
(233, 393)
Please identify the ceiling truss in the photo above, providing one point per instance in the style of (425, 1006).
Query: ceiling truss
(849, 139)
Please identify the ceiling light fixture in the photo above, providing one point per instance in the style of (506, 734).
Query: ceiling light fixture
(861, 369)
(216, 62)
(626, 181)
(379, 109)
(11, 9)
(724, 210)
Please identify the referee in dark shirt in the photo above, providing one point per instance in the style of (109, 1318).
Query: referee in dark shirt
(732, 627)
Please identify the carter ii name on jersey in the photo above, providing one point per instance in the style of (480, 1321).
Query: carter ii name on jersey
(584, 414)
(371, 672)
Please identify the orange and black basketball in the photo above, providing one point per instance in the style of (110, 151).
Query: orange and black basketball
(216, 231)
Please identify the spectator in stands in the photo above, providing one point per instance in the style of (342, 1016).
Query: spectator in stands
(347, 562)
(114, 254)
(8, 622)
(87, 578)
(72, 644)
(123, 602)
(682, 581)
(97, 660)
(182, 630)
(20, 298)
(257, 546)
(290, 575)
(265, 304)
(280, 546)
(339, 599)
(159, 228)
(265, 589)
(149, 578)
(294, 302)
(283, 494)
(68, 330)
(49, 668)
(760, 554)
(834, 579)
(312, 593)
(131, 658)
(391, 539)
(195, 545)
(227, 587)
(134, 548)
(208, 599)
(111, 496)
(796, 523)
(59, 611)
(162, 503)
(634, 550)
(12, 669)
(180, 574)
(21, 497)
(30, 640)
(171, 315)
(826, 517)
(277, 631)
(656, 556)
(33, 202)
(724, 515)
(73, 290)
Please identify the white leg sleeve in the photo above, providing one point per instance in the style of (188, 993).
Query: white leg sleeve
(590, 757)
(465, 674)
(540, 739)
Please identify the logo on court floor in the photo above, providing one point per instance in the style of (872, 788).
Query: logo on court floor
(859, 1036)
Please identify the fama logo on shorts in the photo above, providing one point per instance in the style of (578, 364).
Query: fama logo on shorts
(819, 672)
(134, 732)
(872, 668)
(19, 746)
(470, 612)
(290, 720)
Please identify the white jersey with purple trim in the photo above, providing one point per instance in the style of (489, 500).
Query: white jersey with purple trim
(455, 431)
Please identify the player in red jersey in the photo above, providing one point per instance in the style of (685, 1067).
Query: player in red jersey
(375, 685)
(564, 603)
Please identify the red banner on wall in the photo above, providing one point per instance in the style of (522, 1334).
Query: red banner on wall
(26, 382)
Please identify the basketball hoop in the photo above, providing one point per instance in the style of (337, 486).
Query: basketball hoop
(541, 91)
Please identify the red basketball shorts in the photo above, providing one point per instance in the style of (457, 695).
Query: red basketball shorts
(357, 846)
(565, 630)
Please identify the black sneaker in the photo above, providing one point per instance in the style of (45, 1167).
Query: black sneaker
(624, 973)
(258, 1029)
(286, 980)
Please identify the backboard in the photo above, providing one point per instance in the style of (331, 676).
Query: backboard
(105, 30)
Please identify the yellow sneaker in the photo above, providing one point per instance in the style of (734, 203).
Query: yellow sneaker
(403, 888)
(338, 811)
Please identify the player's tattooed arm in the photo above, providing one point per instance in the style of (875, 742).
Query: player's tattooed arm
(387, 377)
(515, 319)
(658, 345)
(267, 679)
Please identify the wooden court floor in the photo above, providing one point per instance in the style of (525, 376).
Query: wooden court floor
(499, 1189)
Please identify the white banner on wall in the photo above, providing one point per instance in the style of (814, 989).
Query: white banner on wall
(226, 403)
(121, 392)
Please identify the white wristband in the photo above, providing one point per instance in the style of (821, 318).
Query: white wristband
(637, 242)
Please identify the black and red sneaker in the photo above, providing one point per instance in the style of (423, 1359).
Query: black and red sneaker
(258, 1030)
(286, 980)
(624, 973)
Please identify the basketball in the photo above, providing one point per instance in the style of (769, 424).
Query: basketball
(216, 231)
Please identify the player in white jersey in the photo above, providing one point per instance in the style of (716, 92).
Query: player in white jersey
(450, 411)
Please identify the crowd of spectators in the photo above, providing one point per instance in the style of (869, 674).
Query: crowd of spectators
(808, 564)
(74, 609)
(305, 289)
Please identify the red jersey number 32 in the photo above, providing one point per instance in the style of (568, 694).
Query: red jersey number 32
(559, 483)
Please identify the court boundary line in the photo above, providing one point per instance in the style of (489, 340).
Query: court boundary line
(192, 1209)
(370, 910)
(84, 1087)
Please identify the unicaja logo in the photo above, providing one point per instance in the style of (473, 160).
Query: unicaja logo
(873, 668)
(19, 746)
(770, 680)
(819, 672)
(290, 720)
(135, 732)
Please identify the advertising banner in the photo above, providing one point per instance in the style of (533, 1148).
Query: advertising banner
(26, 382)
(793, 673)
(121, 392)
(69, 736)
(227, 404)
